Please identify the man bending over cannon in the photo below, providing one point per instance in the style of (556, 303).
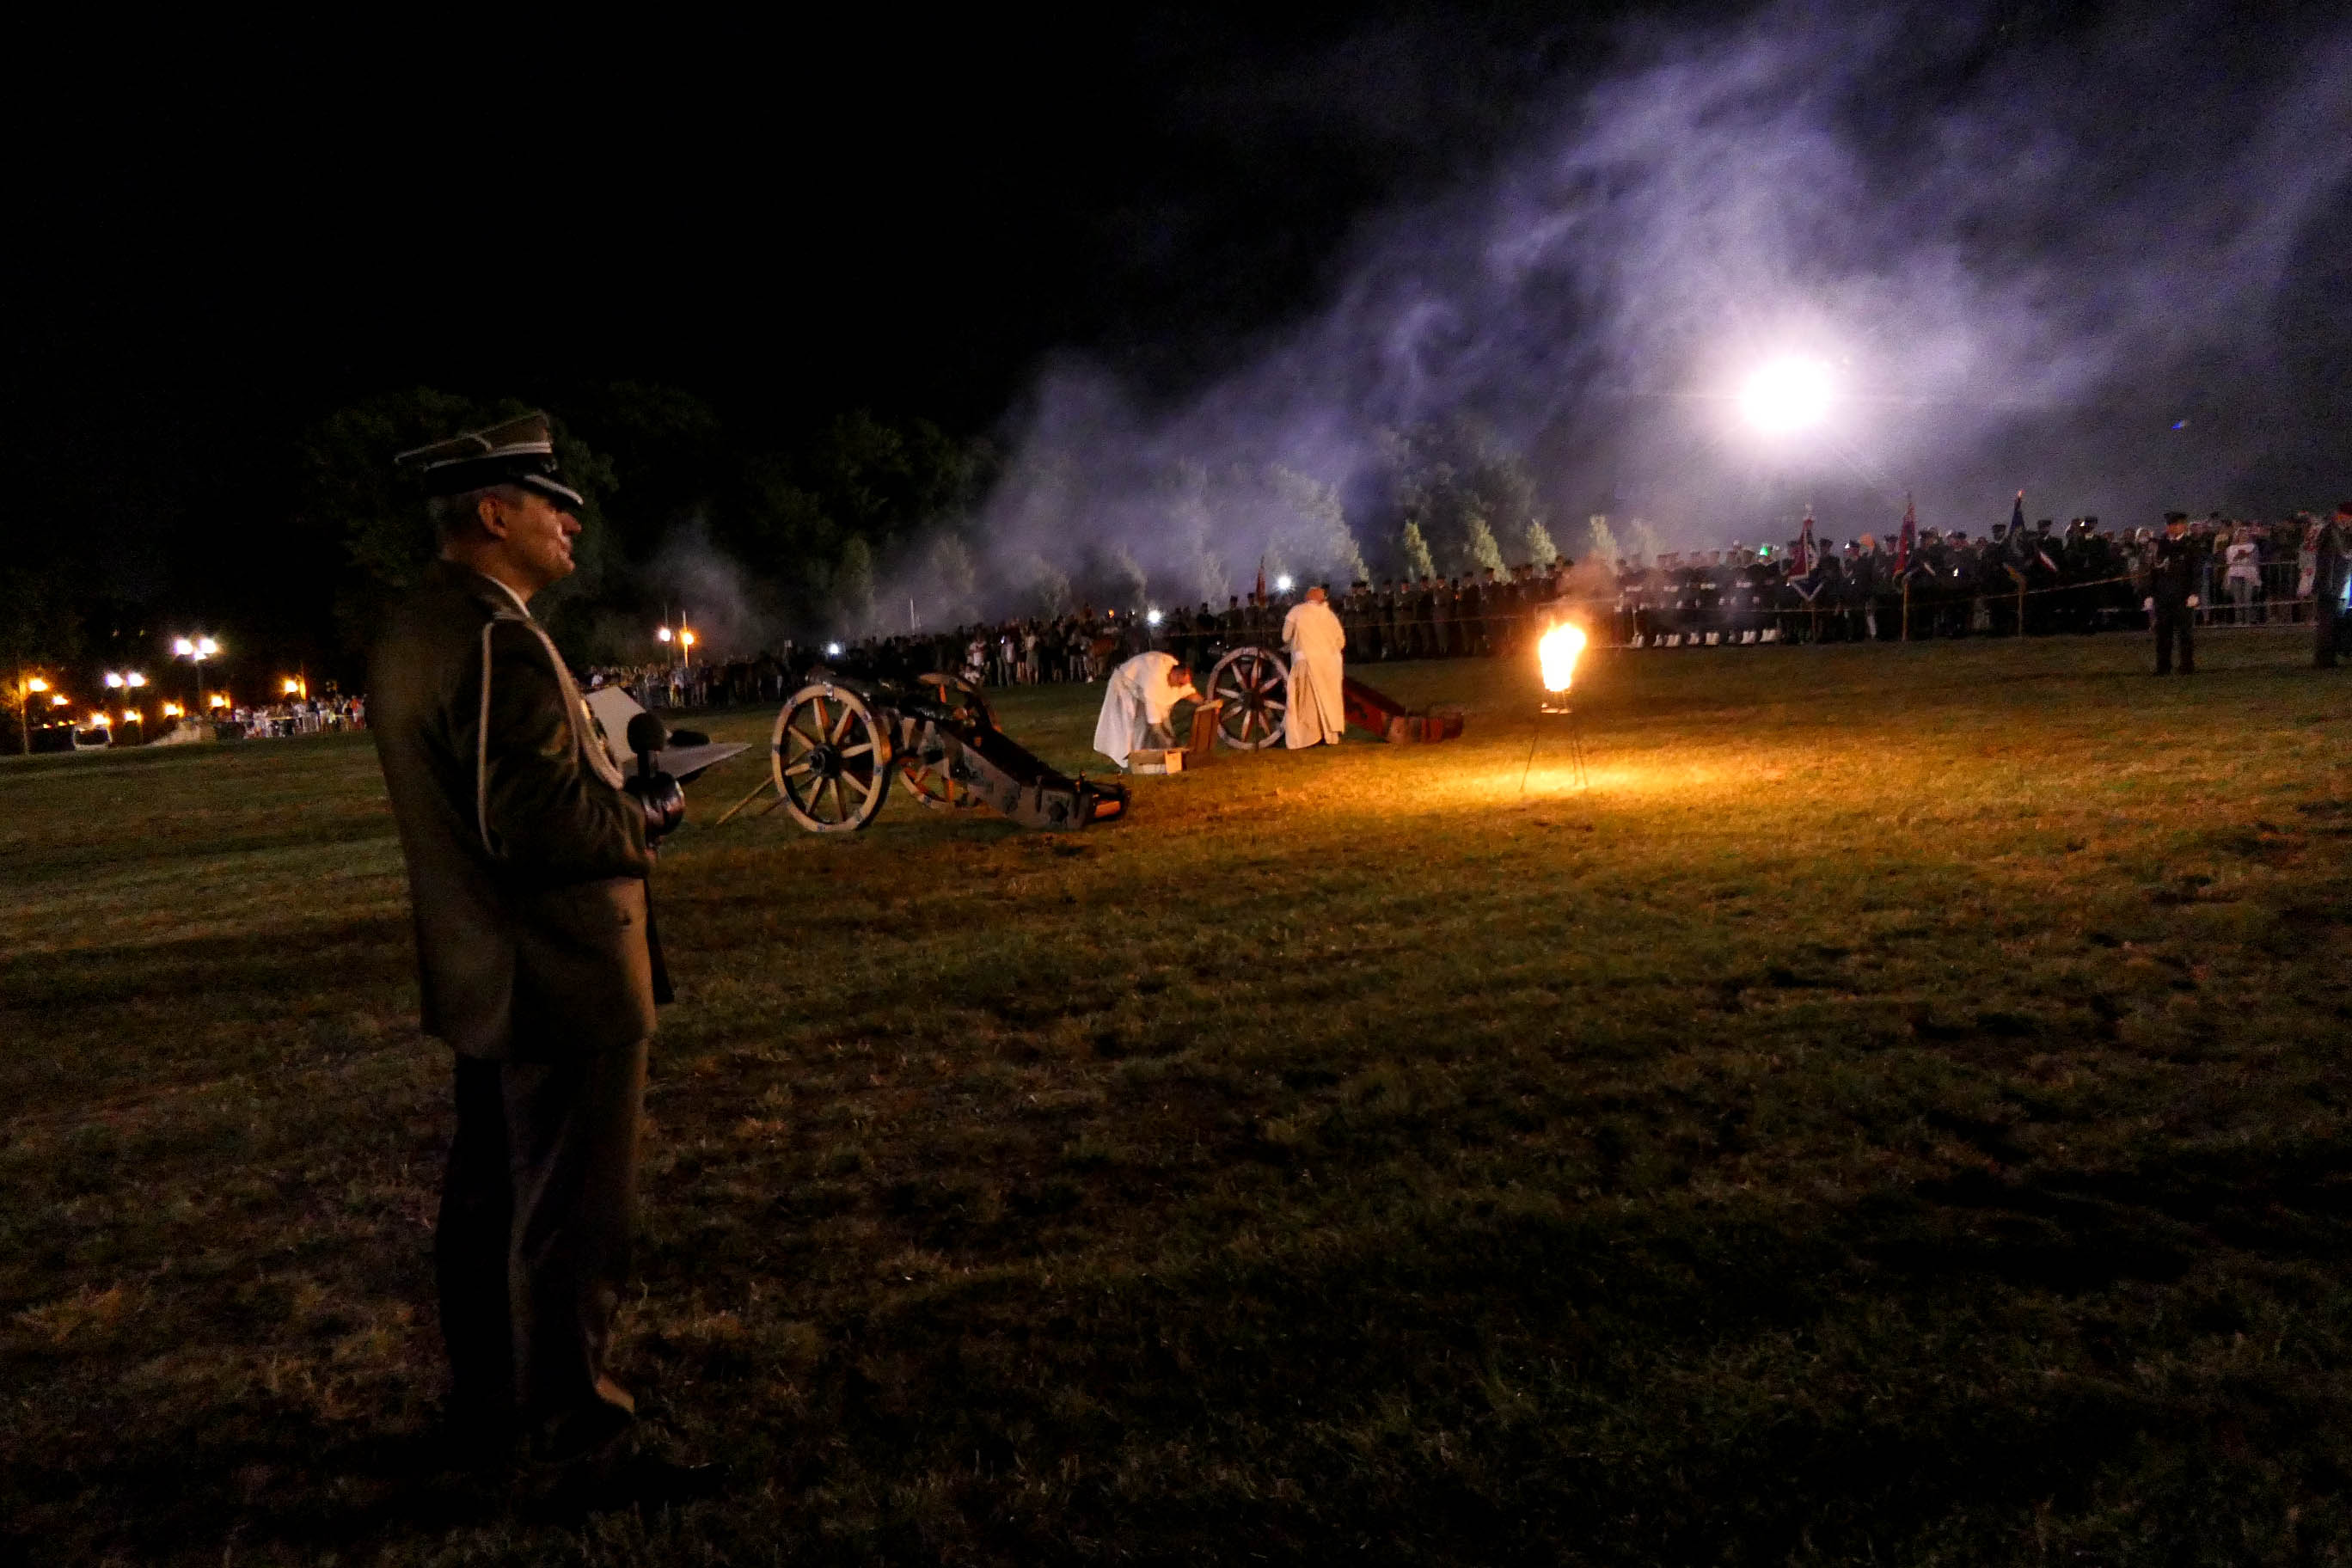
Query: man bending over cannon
(1139, 700)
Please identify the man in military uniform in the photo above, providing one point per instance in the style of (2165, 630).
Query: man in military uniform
(2172, 594)
(2331, 562)
(527, 865)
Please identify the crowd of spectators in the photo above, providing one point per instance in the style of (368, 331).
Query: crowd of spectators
(2033, 579)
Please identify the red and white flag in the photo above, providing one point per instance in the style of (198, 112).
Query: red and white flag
(1910, 538)
(1807, 556)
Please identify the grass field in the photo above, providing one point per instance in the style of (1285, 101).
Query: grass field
(1899, 1114)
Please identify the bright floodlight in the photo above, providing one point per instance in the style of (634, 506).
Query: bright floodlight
(183, 647)
(1282, 585)
(136, 678)
(663, 634)
(1152, 616)
(206, 647)
(113, 679)
(1787, 395)
(832, 650)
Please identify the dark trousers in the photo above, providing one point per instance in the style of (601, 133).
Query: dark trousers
(2175, 622)
(2327, 640)
(537, 1207)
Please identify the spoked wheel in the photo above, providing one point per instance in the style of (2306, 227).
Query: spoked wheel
(831, 759)
(1251, 686)
(934, 766)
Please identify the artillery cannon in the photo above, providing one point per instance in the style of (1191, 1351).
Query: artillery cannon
(839, 741)
(1251, 686)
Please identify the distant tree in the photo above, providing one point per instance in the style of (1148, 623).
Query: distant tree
(1417, 562)
(41, 634)
(1647, 545)
(1458, 480)
(1536, 540)
(894, 485)
(1604, 547)
(1479, 546)
(853, 586)
(1319, 538)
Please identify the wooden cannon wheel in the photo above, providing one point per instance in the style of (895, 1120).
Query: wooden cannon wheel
(831, 758)
(1252, 687)
(931, 760)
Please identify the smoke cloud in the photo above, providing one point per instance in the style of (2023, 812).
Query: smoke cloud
(2083, 265)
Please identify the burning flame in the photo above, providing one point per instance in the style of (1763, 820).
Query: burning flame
(171, 710)
(1557, 652)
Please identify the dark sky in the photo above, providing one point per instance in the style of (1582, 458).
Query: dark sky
(221, 236)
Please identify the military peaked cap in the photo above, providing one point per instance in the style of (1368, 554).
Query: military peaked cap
(519, 452)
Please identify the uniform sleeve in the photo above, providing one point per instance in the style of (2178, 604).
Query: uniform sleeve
(544, 814)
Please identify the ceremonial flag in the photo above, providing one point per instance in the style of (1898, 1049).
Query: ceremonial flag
(2017, 551)
(1806, 556)
(1908, 539)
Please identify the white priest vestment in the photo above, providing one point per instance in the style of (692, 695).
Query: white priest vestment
(1137, 698)
(1313, 637)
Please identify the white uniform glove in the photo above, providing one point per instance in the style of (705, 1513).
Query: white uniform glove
(2192, 601)
(2147, 603)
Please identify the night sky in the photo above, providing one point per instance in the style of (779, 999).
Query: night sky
(220, 239)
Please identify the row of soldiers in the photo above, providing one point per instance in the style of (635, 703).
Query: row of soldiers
(2075, 579)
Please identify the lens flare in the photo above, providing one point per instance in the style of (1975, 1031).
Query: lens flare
(1787, 395)
(1557, 652)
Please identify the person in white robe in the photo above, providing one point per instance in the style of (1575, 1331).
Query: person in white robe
(1313, 638)
(1137, 703)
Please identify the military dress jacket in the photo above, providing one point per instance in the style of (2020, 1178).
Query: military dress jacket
(526, 860)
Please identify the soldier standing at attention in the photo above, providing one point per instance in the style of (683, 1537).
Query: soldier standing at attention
(2173, 597)
(2330, 563)
(527, 866)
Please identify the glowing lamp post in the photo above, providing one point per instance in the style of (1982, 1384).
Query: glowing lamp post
(196, 650)
(127, 682)
(28, 688)
(1281, 583)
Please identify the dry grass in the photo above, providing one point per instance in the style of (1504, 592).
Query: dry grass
(1897, 1114)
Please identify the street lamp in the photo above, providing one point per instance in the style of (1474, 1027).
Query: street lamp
(27, 686)
(127, 682)
(686, 641)
(196, 650)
